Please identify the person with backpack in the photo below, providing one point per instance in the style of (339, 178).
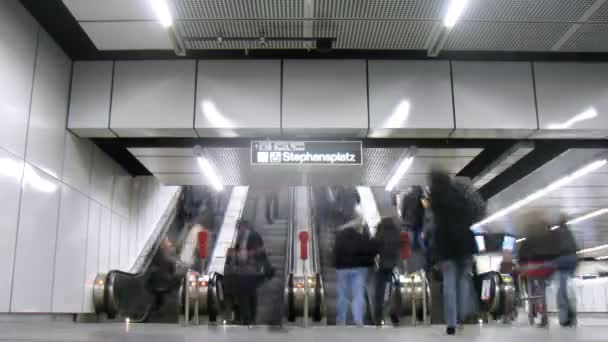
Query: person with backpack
(388, 243)
(454, 208)
(251, 265)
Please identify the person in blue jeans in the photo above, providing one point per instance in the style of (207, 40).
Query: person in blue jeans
(453, 244)
(353, 254)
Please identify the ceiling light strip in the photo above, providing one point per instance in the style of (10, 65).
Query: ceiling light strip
(592, 249)
(454, 12)
(544, 191)
(162, 12)
(405, 164)
(210, 174)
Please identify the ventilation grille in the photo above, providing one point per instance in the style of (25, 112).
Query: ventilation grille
(527, 10)
(505, 36)
(379, 9)
(205, 9)
(590, 37)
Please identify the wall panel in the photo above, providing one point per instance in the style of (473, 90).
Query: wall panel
(90, 99)
(71, 252)
(17, 59)
(34, 261)
(48, 116)
(153, 98)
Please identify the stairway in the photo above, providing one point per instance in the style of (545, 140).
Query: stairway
(271, 293)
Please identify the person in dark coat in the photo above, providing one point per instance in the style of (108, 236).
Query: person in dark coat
(163, 272)
(453, 247)
(388, 244)
(252, 266)
(353, 254)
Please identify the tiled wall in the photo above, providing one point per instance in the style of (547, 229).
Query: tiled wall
(66, 208)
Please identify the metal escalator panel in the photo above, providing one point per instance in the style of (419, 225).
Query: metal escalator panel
(270, 309)
(228, 230)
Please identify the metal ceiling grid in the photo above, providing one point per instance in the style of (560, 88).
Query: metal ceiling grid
(601, 14)
(233, 164)
(527, 10)
(207, 9)
(589, 37)
(378, 163)
(241, 28)
(380, 9)
(505, 36)
(376, 34)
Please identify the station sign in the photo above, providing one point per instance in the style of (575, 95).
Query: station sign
(267, 152)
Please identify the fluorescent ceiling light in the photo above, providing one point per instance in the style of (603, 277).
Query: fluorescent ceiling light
(544, 191)
(602, 257)
(592, 249)
(588, 216)
(454, 12)
(401, 170)
(521, 240)
(163, 14)
(210, 173)
(588, 114)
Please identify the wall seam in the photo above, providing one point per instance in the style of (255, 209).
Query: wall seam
(112, 99)
(281, 99)
(367, 95)
(86, 258)
(535, 96)
(195, 98)
(55, 254)
(27, 130)
(453, 96)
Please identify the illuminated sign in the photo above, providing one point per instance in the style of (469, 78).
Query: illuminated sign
(266, 152)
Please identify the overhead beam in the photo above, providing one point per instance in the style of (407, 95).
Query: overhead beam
(117, 151)
(575, 27)
(543, 152)
(490, 158)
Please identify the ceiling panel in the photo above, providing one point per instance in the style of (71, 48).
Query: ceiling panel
(127, 35)
(527, 10)
(505, 36)
(589, 37)
(89, 10)
(175, 166)
(393, 9)
(196, 9)
(601, 14)
(375, 34)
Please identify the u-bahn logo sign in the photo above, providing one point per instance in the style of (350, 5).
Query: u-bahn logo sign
(267, 152)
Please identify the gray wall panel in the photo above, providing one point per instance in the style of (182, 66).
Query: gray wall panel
(11, 173)
(324, 97)
(410, 99)
(493, 99)
(238, 98)
(34, 261)
(90, 99)
(70, 256)
(566, 91)
(49, 108)
(153, 98)
(17, 58)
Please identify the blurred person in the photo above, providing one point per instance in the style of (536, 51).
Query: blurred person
(252, 267)
(163, 272)
(388, 245)
(412, 212)
(353, 254)
(272, 205)
(454, 246)
(565, 264)
(557, 247)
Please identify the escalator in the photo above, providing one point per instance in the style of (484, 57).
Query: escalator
(129, 295)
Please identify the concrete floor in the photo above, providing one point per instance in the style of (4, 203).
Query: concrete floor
(588, 330)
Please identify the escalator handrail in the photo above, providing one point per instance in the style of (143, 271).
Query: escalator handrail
(316, 263)
(289, 246)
